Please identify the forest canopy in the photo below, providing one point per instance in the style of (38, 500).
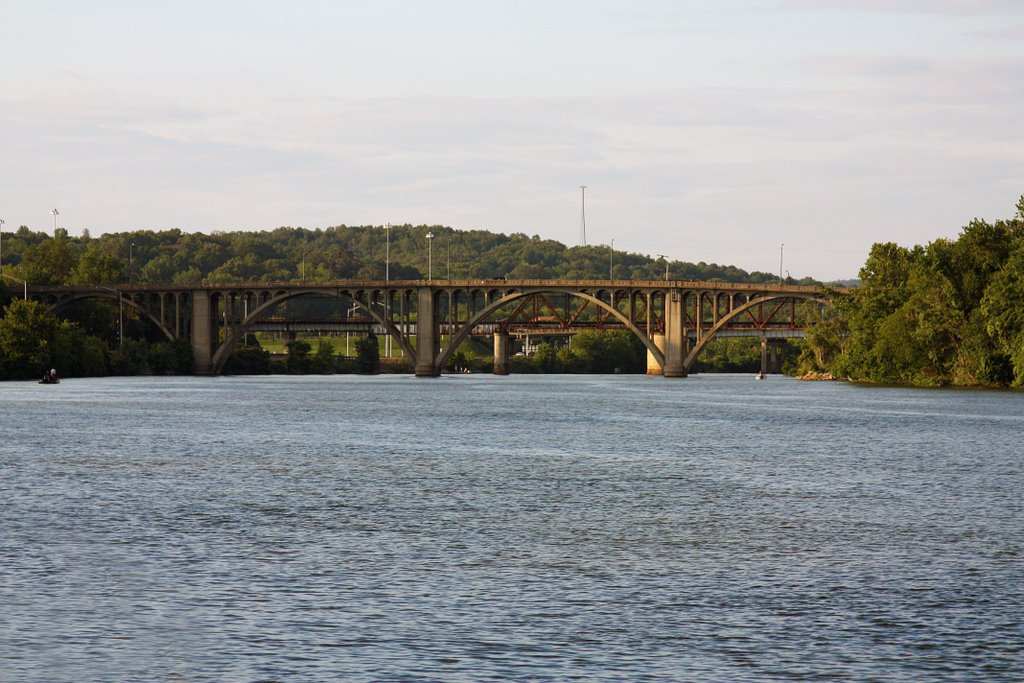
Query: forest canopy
(336, 253)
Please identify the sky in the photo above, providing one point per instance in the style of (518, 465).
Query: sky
(742, 132)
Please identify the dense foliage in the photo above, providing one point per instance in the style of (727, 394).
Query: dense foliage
(949, 313)
(288, 254)
(34, 340)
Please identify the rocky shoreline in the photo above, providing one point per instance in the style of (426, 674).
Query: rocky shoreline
(817, 377)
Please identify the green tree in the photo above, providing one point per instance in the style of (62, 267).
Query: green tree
(298, 357)
(28, 332)
(48, 263)
(245, 360)
(1002, 309)
(546, 357)
(323, 360)
(96, 267)
(367, 354)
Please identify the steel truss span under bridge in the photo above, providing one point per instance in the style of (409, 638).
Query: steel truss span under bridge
(428, 320)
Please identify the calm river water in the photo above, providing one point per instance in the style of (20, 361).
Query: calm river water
(479, 528)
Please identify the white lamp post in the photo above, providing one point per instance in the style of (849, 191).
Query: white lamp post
(55, 213)
(666, 265)
(387, 278)
(18, 279)
(430, 256)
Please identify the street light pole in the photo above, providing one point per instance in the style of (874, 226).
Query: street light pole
(611, 259)
(430, 256)
(780, 261)
(55, 213)
(1, 245)
(666, 265)
(583, 215)
(18, 279)
(387, 294)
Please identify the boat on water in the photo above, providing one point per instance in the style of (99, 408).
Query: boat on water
(50, 377)
(761, 375)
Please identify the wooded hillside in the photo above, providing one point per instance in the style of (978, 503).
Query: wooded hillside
(342, 252)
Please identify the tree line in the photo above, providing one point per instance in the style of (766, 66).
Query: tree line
(335, 253)
(948, 313)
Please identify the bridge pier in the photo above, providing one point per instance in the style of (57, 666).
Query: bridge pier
(675, 335)
(501, 364)
(773, 355)
(427, 334)
(202, 332)
(776, 355)
(652, 365)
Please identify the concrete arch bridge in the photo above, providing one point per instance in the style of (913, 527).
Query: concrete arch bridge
(428, 320)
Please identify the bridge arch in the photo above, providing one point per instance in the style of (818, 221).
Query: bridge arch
(279, 297)
(66, 301)
(707, 336)
(503, 298)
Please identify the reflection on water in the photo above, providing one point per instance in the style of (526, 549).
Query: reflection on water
(517, 528)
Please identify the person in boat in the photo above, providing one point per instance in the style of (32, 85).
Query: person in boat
(53, 374)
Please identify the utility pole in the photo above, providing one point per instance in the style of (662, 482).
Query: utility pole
(666, 265)
(583, 215)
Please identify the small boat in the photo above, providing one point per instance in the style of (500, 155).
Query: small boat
(55, 380)
(761, 375)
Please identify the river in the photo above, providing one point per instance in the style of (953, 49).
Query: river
(599, 528)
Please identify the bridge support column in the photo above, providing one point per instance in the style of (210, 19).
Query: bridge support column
(776, 356)
(501, 365)
(675, 335)
(202, 332)
(652, 365)
(289, 339)
(427, 334)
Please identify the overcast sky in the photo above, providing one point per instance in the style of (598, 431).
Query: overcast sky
(705, 130)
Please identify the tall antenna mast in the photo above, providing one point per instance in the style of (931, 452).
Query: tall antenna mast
(583, 216)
